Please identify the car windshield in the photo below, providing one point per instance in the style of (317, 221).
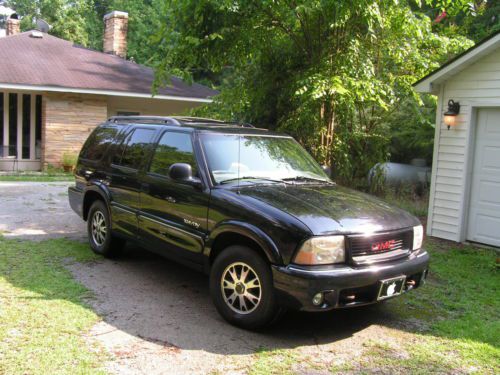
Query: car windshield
(234, 157)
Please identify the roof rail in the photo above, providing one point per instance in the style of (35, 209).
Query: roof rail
(161, 120)
(179, 121)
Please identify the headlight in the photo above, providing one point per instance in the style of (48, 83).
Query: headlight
(321, 250)
(418, 236)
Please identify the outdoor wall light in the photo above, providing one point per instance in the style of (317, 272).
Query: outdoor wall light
(450, 116)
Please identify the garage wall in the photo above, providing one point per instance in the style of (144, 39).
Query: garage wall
(477, 85)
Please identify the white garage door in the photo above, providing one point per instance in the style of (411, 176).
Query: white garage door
(484, 209)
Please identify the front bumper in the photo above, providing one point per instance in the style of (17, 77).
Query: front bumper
(343, 285)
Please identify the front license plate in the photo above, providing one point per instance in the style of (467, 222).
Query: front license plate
(391, 287)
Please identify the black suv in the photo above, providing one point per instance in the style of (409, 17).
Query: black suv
(249, 207)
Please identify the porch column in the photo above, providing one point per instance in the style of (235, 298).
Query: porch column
(5, 124)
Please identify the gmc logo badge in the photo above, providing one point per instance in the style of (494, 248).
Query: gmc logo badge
(384, 245)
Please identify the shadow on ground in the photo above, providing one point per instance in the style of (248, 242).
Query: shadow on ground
(163, 302)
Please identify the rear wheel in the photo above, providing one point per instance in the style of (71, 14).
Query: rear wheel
(242, 288)
(101, 239)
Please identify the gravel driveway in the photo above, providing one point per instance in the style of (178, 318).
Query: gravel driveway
(157, 316)
(38, 211)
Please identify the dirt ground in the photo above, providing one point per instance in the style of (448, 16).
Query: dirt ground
(38, 211)
(157, 316)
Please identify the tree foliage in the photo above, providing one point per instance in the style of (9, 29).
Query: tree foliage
(331, 73)
(337, 75)
(68, 18)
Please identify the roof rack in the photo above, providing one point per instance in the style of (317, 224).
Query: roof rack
(160, 120)
(178, 121)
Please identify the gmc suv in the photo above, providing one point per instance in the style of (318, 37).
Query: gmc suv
(249, 207)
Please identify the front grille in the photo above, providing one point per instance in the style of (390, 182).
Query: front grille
(379, 247)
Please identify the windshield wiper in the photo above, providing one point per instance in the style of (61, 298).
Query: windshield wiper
(307, 178)
(252, 178)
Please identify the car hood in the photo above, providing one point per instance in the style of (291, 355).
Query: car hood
(327, 209)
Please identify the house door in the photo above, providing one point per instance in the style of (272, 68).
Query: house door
(484, 207)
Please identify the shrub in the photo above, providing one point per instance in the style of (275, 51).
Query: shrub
(69, 159)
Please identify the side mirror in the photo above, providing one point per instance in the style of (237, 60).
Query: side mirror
(182, 173)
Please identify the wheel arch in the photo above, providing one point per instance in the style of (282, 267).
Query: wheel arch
(92, 194)
(237, 233)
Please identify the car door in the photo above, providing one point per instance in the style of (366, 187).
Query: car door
(123, 179)
(173, 216)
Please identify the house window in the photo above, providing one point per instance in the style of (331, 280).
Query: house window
(38, 127)
(26, 126)
(12, 125)
(1, 125)
(20, 126)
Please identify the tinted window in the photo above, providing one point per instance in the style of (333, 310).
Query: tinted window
(97, 143)
(173, 148)
(134, 148)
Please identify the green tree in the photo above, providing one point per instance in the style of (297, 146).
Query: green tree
(68, 18)
(329, 72)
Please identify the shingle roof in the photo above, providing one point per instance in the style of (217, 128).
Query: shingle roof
(54, 62)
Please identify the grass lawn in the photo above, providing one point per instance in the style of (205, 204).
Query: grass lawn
(42, 311)
(452, 325)
(459, 309)
(457, 314)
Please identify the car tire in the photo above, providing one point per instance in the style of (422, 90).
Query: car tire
(101, 239)
(240, 273)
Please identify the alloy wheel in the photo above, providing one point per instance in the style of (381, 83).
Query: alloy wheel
(241, 288)
(99, 228)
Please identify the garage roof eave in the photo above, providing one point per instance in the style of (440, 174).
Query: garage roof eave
(431, 82)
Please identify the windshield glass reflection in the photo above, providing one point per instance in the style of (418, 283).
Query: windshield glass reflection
(233, 157)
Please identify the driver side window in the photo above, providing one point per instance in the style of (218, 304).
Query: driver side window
(174, 147)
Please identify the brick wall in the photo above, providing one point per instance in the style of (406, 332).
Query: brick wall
(13, 26)
(67, 120)
(115, 33)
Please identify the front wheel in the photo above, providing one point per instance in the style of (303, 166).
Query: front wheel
(101, 239)
(242, 289)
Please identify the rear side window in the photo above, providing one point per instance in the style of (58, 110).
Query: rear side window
(173, 148)
(98, 142)
(134, 148)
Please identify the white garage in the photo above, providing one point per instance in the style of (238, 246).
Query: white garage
(464, 202)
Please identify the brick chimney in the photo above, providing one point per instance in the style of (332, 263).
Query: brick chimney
(13, 25)
(115, 33)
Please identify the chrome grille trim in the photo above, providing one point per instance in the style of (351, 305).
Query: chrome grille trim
(360, 246)
(368, 259)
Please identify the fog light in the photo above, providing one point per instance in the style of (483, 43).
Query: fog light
(317, 299)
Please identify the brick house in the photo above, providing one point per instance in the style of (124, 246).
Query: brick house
(54, 92)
